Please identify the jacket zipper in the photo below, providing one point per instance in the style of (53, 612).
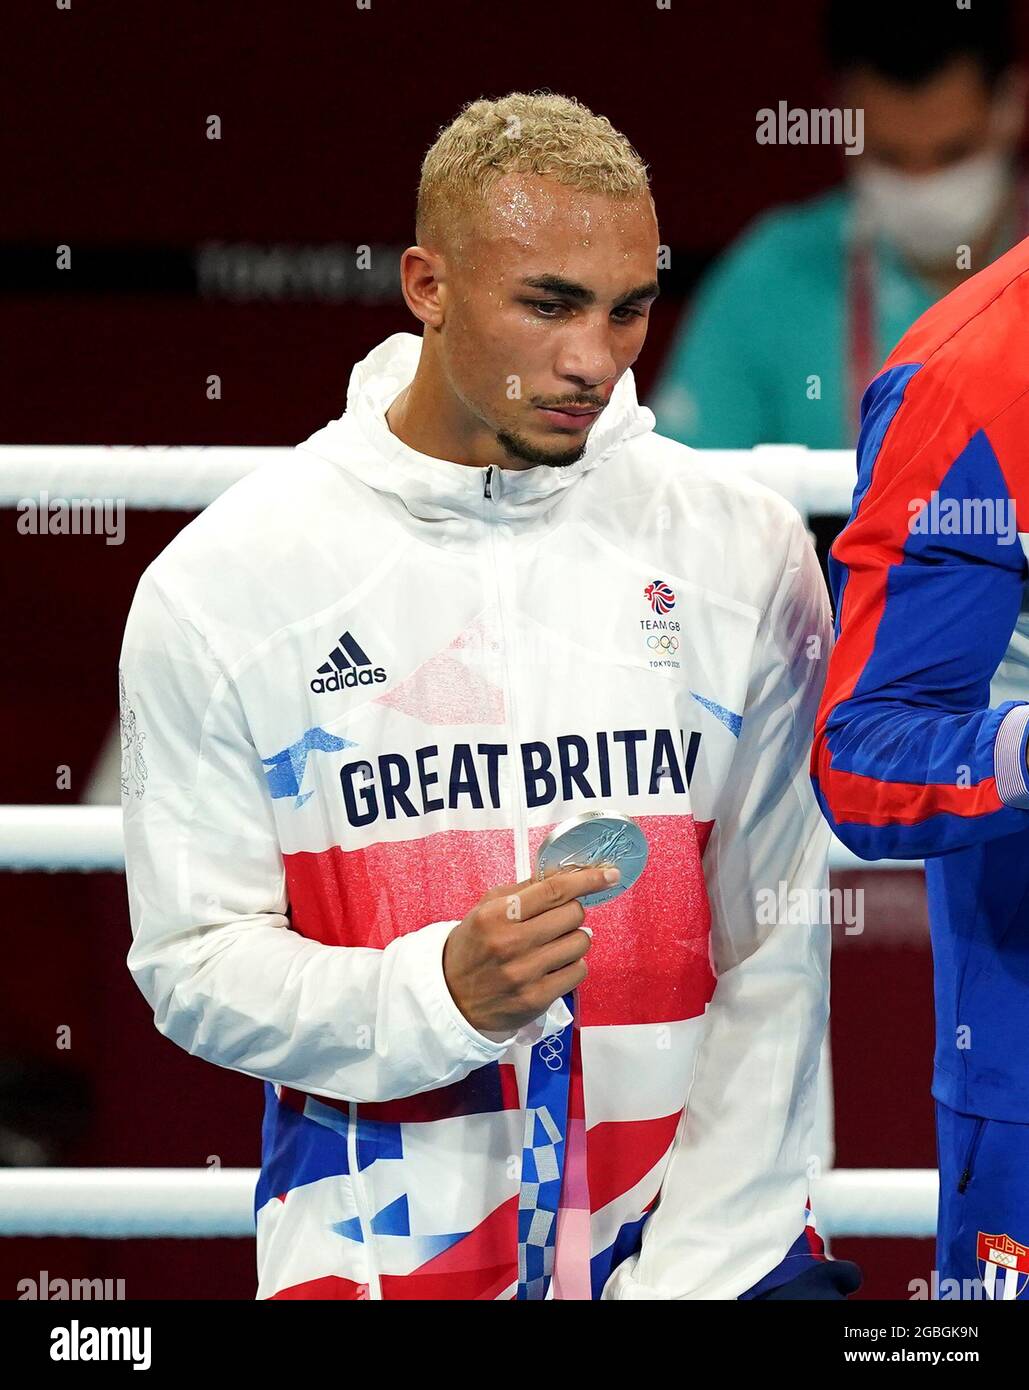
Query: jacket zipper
(522, 865)
(363, 1215)
(973, 1149)
(521, 814)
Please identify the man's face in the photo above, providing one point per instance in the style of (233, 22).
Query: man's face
(545, 300)
(925, 128)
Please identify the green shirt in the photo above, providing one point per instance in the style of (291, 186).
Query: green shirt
(760, 357)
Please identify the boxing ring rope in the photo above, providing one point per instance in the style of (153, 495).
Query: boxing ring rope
(151, 1203)
(187, 478)
(161, 1202)
(88, 839)
(152, 478)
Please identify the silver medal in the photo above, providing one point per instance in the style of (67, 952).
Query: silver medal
(596, 837)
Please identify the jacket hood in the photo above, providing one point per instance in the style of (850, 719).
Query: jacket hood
(361, 442)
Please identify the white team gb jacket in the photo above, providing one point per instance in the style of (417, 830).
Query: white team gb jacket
(357, 692)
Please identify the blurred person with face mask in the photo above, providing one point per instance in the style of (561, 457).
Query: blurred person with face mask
(790, 325)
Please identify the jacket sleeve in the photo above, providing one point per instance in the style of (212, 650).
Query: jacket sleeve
(909, 758)
(213, 951)
(732, 1206)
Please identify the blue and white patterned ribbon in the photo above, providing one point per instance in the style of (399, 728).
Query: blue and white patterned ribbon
(543, 1159)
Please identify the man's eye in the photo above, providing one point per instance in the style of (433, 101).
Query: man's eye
(629, 313)
(546, 304)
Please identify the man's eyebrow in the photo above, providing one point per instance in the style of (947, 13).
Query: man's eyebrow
(650, 290)
(568, 289)
(556, 285)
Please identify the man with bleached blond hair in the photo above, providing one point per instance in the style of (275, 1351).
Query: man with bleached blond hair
(485, 601)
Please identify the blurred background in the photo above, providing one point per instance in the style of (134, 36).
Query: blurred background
(792, 270)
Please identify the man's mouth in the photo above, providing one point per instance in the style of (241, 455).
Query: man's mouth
(571, 417)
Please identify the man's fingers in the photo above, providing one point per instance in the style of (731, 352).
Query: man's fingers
(555, 890)
(507, 889)
(565, 950)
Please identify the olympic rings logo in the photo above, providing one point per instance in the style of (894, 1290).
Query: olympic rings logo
(666, 644)
(549, 1052)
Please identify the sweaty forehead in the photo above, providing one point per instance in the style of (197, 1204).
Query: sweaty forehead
(526, 213)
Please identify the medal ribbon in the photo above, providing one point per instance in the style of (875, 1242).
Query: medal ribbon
(543, 1158)
(573, 1273)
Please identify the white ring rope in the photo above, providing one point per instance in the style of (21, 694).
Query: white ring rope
(187, 478)
(61, 838)
(149, 1203)
(155, 478)
(89, 839)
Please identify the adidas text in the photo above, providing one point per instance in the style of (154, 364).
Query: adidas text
(342, 680)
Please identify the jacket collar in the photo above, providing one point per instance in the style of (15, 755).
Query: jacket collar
(361, 442)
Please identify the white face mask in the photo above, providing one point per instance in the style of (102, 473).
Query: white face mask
(928, 216)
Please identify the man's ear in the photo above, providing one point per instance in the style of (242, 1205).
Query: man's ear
(423, 283)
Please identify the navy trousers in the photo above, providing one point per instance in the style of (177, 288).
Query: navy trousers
(982, 1243)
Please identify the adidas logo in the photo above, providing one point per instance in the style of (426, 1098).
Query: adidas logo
(346, 667)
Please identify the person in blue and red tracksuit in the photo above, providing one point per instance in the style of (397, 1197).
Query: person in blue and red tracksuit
(920, 742)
